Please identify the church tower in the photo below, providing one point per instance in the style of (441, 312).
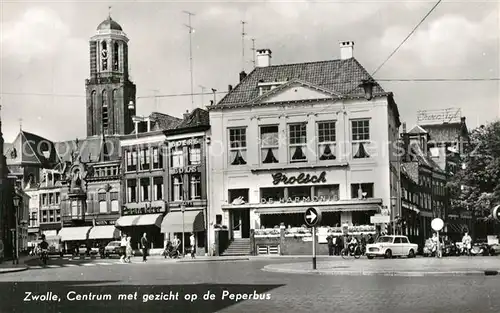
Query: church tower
(110, 93)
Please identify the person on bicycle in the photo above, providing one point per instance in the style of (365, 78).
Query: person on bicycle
(176, 243)
(44, 245)
(353, 243)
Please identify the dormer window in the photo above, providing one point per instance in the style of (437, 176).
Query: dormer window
(266, 87)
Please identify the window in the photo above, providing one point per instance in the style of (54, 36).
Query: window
(104, 55)
(34, 219)
(145, 189)
(299, 192)
(58, 200)
(237, 146)
(404, 240)
(115, 207)
(362, 191)
(105, 119)
(157, 158)
(397, 240)
(131, 157)
(51, 198)
(272, 193)
(195, 186)
(74, 209)
(115, 56)
(157, 188)
(298, 142)
(195, 155)
(103, 204)
(326, 141)
(360, 138)
(131, 190)
(327, 191)
(177, 190)
(177, 157)
(145, 159)
(238, 195)
(269, 144)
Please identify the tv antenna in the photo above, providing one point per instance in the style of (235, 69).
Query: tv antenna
(191, 31)
(243, 34)
(253, 52)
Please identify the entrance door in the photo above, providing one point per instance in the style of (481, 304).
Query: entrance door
(241, 223)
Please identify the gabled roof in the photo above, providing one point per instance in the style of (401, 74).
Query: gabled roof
(337, 76)
(417, 130)
(447, 132)
(163, 121)
(422, 158)
(32, 149)
(90, 149)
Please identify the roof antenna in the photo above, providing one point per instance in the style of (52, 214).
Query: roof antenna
(20, 124)
(109, 12)
(253, 52)
(243, 34)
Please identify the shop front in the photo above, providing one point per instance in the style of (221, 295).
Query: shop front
(182, 223)
(73, 237)
(142, 218)
(103, 232)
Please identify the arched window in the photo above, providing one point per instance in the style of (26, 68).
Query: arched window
(104, 55)
(93, 99)
(105, 118)
(115, 57)
(115, 98)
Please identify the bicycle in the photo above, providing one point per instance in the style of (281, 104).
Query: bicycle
(346, 252)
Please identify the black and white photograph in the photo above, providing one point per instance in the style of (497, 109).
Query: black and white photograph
(250, 156)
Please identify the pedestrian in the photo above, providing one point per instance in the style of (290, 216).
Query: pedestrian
(192, 243)
(329, 239)
(144, 247)
(123, 247)
(128, 250)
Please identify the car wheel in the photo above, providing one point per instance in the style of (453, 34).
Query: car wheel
(411, 254)
(388, 254)
(369, 257)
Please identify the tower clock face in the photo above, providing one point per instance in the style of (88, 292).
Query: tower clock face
(104, 54)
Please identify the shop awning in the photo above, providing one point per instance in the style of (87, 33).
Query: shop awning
(193, 222)
(74, 233)
(104, 232)
(302, 210)
(140, 220)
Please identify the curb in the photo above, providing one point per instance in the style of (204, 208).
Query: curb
(13, 270)
(381, 273)
(211, 260)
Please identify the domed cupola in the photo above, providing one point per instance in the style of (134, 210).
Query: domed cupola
(109, 24)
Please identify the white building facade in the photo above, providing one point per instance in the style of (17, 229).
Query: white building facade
(292, 136)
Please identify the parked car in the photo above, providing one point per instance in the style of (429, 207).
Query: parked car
(389, 246)
(112, 248)
(2, 255)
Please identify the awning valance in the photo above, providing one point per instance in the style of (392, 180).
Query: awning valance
(193, 222)
(456, 228)
(74, 233)
(104, 232)
(302, 210)
(140, 220)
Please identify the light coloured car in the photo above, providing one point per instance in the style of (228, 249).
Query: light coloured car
(389, 246)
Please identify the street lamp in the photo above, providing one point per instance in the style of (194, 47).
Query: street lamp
(367, 85)
(15, 239)
(394, 201)
(183, 209)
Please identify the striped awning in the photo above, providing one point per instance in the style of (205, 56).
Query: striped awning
(104, 232)
(456, 228)
(74, 233)
(140, 220)
(193, 221)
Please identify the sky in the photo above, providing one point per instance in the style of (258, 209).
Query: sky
(44, 53)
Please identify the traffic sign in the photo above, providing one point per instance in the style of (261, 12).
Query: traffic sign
(496, 213)
(312, 217)
(437, 224)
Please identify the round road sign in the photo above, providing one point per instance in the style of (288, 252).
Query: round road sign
(312, 217)
(437, 224)
(496, 213)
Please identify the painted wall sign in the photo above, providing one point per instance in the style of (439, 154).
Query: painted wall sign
(300, 179)
(183, 170)
(185, 142)
(442, 115)
(143, 210)
(300, 199)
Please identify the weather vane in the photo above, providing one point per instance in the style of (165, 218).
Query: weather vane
(109, 11)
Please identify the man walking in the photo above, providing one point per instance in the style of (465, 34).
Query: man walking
(144, 247)
(192, 243)
(123, 248)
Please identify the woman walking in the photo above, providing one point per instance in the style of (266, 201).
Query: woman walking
(129, 250)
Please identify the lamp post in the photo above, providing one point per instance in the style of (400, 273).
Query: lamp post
(15, 238)
(393, 215)
(183, 209)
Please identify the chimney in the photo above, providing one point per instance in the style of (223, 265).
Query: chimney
(229, 87)
(243, 75)
(211, 102)
(404, 127)
(264, 57)
(346, 50)
(186, 115)
(462, 120)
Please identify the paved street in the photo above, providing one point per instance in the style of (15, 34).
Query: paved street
(290, 292)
